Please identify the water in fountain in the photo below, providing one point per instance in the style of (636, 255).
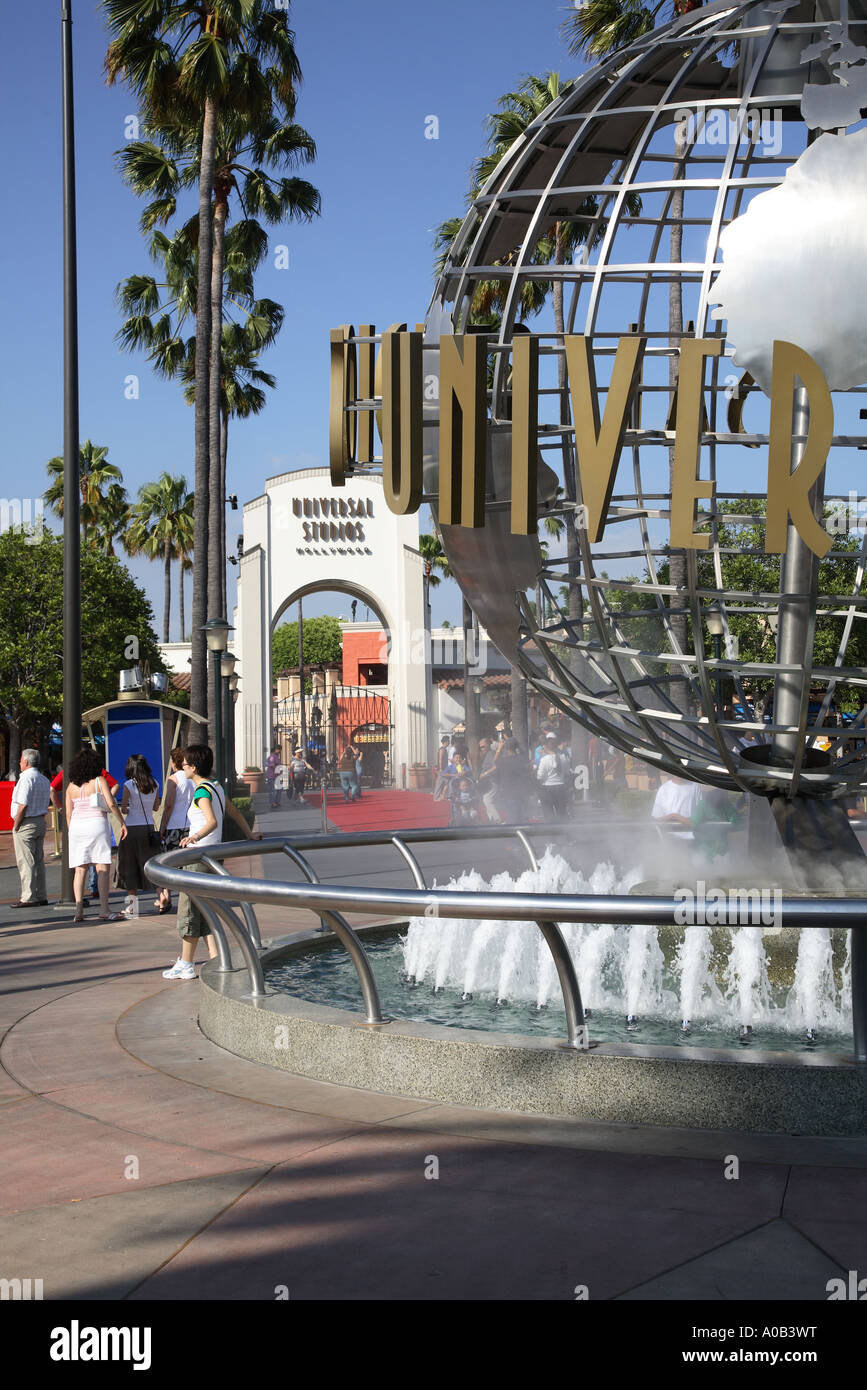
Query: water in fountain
(812, 1002)
(746, 975)
(621, 970)
(699, 994)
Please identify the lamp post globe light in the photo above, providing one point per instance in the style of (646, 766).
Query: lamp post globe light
(216, 632)
(713, 616)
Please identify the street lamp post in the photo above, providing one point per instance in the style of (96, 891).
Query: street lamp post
(232, 684)
(216, 632)
(227, 666)
(71, 461)
(301, 686)
(715, 626)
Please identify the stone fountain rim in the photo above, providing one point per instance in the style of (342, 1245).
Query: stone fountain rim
(758, 1092)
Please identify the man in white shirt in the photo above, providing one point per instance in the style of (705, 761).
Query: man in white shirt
(675, 801)
(31, 796)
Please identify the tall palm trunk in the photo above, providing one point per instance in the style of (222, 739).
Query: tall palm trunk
(676, 558)
(217, 515)
(181, 596)
(167, 604)
(199, 663)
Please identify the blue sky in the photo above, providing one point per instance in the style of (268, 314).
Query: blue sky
(372, 74)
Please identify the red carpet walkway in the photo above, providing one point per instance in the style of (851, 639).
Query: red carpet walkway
(384, 810)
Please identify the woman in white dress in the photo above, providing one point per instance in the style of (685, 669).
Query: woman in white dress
(179, 795)
(89, 803)
(141, 797)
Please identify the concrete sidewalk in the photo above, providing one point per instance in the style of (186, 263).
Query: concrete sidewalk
(139, 1161)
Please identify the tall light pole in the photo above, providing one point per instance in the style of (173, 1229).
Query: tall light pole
(233, 684)
(301, 687)
(715, 625)
(216, 632)
(227, 667)
(71, 465)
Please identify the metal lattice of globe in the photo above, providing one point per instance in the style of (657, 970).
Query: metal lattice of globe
(716, 168)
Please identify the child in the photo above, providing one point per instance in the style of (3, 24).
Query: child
(465, 802)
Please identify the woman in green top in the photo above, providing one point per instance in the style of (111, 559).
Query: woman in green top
(207, 810)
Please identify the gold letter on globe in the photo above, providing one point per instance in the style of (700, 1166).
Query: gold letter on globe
(788, 489)
(463, 429)
(598, 446)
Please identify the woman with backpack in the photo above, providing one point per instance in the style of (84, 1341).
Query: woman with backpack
(141, 797)
(205, 816)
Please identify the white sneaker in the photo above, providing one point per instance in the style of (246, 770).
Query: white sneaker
(180, 971)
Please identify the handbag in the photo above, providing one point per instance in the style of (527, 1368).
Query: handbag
(154, 841)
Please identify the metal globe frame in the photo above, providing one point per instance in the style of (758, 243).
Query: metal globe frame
(610, 139)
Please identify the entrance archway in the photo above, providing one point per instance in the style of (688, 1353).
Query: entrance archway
(338, 702)
(303, 536)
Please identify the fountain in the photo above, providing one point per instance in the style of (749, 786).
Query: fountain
(641, 631)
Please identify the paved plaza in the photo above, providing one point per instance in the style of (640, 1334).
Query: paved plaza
(140, 1161)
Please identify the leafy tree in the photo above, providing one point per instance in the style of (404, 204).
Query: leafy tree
(323, 644)
(113, 607)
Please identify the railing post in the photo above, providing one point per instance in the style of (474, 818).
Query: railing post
(248, 951)
(210, 916)
(859, 991)
(370, 994)
(576, 1028)
(248, 910)
(412, 862)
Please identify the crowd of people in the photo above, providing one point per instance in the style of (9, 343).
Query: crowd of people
(509, 785)
(192, 811)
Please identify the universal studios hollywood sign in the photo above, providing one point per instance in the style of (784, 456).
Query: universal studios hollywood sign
(392, 387)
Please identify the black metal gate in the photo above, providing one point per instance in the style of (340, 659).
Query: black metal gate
(356, 713)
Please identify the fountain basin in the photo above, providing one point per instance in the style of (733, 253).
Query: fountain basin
(817, 1093)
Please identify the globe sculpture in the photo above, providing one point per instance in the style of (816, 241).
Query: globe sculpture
(712, 177)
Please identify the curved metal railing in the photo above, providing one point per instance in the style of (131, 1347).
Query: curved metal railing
(217, 893)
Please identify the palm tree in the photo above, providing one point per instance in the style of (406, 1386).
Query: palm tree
(242, 394)
(186, 63)
(157, 312)
(185, 564)
(434, 558)
(248, 148)
(598, 29)
(103, 499)
(163, 524)
(114, 518)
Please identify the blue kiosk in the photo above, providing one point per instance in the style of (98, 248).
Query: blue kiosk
(136, 724)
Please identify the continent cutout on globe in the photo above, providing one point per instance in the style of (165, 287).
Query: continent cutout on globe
(795, 266)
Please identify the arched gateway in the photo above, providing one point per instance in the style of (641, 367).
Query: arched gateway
(303, 535)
